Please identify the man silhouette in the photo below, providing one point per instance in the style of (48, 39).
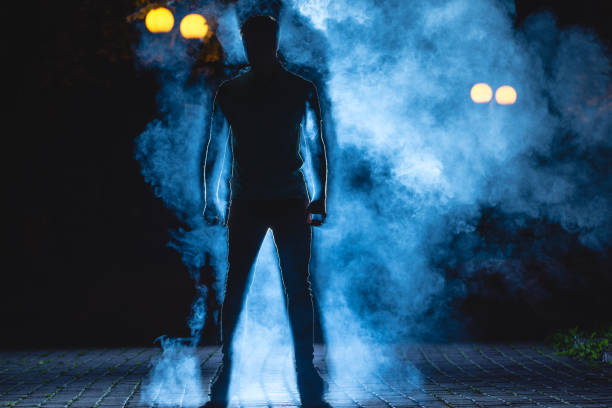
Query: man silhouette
(264, 109)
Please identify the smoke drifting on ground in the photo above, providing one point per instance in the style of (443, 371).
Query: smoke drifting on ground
(430, 195)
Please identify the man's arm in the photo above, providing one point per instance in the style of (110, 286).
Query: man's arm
(316, 145)
(213, 162)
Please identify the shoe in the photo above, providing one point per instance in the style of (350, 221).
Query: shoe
(219, 387)
(319, 404)
(311, 387)
(213, 404)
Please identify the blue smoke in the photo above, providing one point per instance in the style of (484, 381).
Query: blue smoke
(415, 165)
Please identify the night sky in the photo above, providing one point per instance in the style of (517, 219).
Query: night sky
(88, 261)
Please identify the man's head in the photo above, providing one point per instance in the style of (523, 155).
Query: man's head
(260, 37)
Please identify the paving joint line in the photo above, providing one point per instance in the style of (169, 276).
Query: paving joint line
(555, 379)
(440, 371)
(530, 378)
(470, 386)
(442, 400)
(28, 394)
(88, 385)
(469, 359)
(117, 381)
(542, 375)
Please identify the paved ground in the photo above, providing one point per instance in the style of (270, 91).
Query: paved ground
(453, 375)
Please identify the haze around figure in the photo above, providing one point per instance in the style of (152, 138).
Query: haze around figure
(414, 164)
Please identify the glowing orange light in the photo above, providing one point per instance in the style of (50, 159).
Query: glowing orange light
(193, 26)
(505, 95)
(159, 20)
(481, 93)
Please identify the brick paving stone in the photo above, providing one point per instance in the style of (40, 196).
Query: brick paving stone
(424, 375)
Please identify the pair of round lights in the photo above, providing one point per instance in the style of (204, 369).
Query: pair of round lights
(482, 93)
(161, 20)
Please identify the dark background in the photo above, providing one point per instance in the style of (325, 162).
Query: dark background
(86, 257)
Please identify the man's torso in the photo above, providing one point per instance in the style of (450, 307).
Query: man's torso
(265, 115)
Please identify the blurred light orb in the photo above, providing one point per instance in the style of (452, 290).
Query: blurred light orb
(505, 95)
(159, 20)
(193, 26)
(481, 93)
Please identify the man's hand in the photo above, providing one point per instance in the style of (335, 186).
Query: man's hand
(211, 215)
(316, 212)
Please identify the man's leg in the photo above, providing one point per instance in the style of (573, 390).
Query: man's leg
(246, 232)
(292, 236)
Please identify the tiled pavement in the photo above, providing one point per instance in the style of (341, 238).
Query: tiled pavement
(450, 375)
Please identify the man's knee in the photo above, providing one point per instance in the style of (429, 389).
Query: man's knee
(299, 295)
(238, 273)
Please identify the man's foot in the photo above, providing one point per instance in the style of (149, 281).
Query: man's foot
(320, 404)
(213, 404)
(219, 387)
(311, 387)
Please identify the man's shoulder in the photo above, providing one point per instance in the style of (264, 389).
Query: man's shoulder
(240, 81)
(299, 80)
(228, 88)
(299, 85)
(230, 84)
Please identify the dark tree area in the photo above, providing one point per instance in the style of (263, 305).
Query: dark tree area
(88, 261)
